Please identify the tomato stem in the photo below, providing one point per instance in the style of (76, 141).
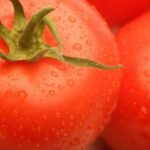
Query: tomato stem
(20, 19)
(25, 40)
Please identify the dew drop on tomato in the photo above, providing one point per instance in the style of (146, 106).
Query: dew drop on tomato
(72, 19)
(54, 74)
(57, 18)
(88, 42)
(57, 115)
(71, 83)
(63, 123)
(74, 142)
(71, 117)
(22, 95)
(91, 127)
(39, 129)
(147, 73)
(60, 87)
(143, 112)
(51, 92)
(77, 46)
(37, 146)
(32, 4)
(71, 124)
(85, 17)
(46, 139)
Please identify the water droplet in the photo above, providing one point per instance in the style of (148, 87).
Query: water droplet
(74, 142)
(54, 74)
(98, 105)
(144, 110)
(51, 92)
(86, 17)
(16, 112)
(32, 4)
(22, 95)
(57, 134)
(91, 127)
(8, 92)
(65, 134)
(58, 115)
(63, 123)
(53, 129)
(71, 83)
(46, 139)
(39, 129)
(147, 73)
(71, 117)
(71, 124)
(72, 19)
(60, 87)
(37, 146)
(57, 18)
(20, 128)
(61, 67)
(77, 46)
(89, 42)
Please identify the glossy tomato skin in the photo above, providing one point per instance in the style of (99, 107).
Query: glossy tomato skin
(120, 11)
(129, 128)
(51, 105)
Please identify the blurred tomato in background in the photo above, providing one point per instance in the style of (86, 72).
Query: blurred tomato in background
(129, 128)
(119, 11)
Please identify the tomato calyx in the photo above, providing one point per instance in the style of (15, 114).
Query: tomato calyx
(25, 40)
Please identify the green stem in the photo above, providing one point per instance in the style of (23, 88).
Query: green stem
(83, 62)
(51, 25)
(4, 33)
(20, 19)
(26, 43)
(26, 40)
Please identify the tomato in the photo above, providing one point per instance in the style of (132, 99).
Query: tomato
(129, 128)
(119, 11)
(99, 144)
(50, 104)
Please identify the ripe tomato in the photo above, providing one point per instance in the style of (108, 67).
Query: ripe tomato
(129, 128)
(119, 11)
(52, 105)
(99, 144)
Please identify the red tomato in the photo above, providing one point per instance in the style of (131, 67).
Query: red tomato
(119, 11)
(51, 105)
(99, 144)
(129, 128)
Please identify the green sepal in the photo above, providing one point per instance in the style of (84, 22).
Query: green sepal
(4, 33)
(84, 62)
(20, 19)
(25, 40)
(51, 25)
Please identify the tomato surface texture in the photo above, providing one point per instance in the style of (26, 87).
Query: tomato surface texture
(130, 125)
